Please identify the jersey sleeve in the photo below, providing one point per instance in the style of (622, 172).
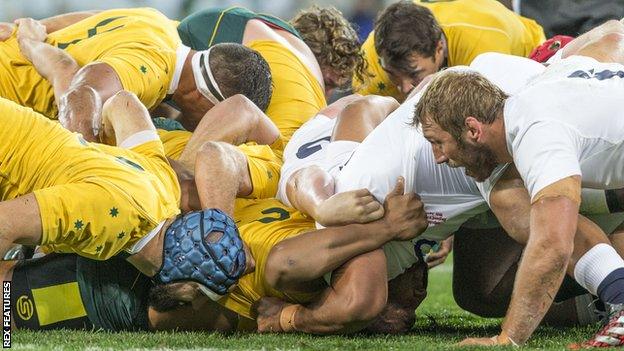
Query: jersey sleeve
(545, 153)
(143, 68)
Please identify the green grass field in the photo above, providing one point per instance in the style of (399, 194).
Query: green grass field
(440, 324)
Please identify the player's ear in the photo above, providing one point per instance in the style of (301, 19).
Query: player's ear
(474, 128)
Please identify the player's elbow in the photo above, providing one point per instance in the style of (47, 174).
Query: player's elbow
(280, 268)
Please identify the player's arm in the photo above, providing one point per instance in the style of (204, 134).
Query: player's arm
(52, 63)
(549, 246)
(61, 21)
(311, 255)
(311, 189)
(51, 24)
(235, 120)
(358, 293)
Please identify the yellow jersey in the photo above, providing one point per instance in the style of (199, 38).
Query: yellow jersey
(139, 44)
(471, 27)
(94, 200)
(297, 94)
(262, 224)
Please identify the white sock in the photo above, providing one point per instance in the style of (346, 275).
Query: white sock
(595, 265)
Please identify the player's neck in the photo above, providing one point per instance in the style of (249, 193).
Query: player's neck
(187, 80)
(498, 140)
(149, 259)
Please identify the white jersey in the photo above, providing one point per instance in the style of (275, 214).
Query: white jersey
(310, 146)
(395, 148)
(569, 121)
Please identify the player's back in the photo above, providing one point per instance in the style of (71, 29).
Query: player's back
(297, 95)
(473, 27)
(102, 38)
(575, 103)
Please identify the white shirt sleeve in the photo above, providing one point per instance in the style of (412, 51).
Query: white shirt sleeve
(545, 153)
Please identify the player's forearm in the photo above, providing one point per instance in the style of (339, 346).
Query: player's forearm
(543, 265)
(55, 23)
(311, 255)
(357, 295)
(308, 188)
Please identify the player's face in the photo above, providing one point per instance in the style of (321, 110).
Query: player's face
(193, 105)
(419, 67)
(333, 80)
(478, 160)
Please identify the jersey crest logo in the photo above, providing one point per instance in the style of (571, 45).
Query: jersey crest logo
(24, 307)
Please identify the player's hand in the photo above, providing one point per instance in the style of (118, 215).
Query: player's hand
(29, 31)
(28, 28)
(269, 310)
(405, 216)
(498, 340)
(356, 206)
(438, 257)
(6, 29)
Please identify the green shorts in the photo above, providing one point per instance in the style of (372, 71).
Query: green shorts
(72, 292)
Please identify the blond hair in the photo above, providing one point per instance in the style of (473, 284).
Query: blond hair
(332, 39)
(454, 95)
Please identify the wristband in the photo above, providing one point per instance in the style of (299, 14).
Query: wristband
(287, 318)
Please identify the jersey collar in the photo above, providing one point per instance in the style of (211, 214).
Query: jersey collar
(181, 53)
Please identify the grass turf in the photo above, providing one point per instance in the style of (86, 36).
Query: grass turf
(440, 324)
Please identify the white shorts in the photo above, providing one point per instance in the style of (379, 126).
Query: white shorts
(331, 158)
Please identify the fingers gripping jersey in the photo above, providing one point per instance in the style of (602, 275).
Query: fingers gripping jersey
(139, 44)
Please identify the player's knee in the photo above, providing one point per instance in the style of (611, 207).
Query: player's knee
(122, 99)
(227, 158)
(483, 293)
(276, 273)
(480, 302)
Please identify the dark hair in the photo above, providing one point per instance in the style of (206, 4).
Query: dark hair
(162, 298)
(332, 39)
(403, 28)
(241, 70)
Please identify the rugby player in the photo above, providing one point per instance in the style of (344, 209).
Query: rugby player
(233, 121)
(440, 34)
(138, 50)
(321, 31)
(100, 201)
(113, 296)
(449, 196)
(319, 149)
(552, 161)
(296, 76)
